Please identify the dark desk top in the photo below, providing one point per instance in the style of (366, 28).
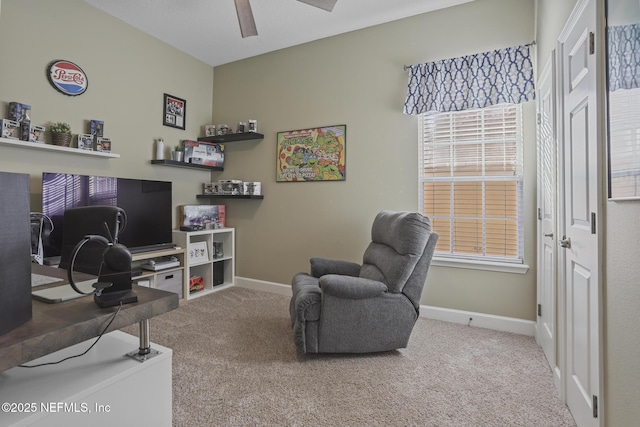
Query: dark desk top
(56, 326)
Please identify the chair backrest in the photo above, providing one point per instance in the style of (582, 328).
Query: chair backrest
(400, 252)
(88, 220)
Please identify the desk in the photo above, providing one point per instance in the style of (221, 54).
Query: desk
(56, 326)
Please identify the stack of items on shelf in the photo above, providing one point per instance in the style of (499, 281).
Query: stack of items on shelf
(202, 217)
(161, 263)
(95, 139)
(223, 129)
(18, 124)
(203, 153)
(233, 187)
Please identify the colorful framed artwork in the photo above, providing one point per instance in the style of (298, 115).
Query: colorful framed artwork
(314, 154)
(175, 111)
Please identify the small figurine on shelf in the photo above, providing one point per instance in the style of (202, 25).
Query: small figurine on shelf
(223, 129)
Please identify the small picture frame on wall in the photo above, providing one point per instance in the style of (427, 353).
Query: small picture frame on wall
(175, 111)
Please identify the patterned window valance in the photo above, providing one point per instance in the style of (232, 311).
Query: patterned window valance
(624, 56)
(468, 82)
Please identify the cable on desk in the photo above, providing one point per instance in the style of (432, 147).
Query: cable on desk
(86, 351)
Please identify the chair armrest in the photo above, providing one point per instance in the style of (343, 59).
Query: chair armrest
(322, 266)
(351, 287)
(307, 304)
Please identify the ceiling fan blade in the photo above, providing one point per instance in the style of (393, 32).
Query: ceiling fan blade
(322, 4)
(245, 18)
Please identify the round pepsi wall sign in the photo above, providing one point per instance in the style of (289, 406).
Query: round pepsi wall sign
(67, 77)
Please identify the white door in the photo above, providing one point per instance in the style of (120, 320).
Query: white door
(580, 242)
(547, 234)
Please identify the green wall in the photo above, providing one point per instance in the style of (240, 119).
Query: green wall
(358, 79)
(128, 73)
(355, 79)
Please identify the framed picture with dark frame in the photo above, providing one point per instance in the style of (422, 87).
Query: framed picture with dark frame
(313, 154)
(175, 111)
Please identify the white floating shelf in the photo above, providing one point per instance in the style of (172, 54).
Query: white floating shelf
(49, 147)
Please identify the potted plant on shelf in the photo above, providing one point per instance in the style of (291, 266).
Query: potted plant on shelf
(177, 154)
(60, 133)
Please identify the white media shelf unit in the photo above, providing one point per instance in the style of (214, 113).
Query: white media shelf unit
(218, 272)
(172, 279)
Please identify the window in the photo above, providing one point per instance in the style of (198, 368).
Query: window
(471, 182)
(68, 191)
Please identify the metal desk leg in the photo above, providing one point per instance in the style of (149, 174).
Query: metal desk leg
(145, 351)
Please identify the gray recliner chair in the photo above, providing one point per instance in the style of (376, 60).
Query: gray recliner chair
(344, 307)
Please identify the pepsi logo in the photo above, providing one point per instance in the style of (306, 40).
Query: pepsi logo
(67, 78)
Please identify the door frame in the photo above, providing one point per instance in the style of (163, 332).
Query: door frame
(554, 309)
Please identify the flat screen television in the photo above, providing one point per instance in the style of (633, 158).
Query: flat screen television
(147, 204)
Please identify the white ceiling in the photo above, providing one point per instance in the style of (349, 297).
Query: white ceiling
(209, 30)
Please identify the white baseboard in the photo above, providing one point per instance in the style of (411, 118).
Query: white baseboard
(489, 321)
(480, 320)
(263, 285)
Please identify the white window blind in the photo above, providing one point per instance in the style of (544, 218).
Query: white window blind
(471, 181)
(624, 143)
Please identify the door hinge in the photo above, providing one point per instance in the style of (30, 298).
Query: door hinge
(539, 213)
(595, 406)
(539, 118)
(593, 223)
(539, 310)
(592, 43)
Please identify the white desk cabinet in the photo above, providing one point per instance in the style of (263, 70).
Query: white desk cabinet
(102, 388)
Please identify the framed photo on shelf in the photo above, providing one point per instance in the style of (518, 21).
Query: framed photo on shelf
(198, 252)
(314, 154)
(175, 111)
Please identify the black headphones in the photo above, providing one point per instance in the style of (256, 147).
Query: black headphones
(112, 256)
(74, 254)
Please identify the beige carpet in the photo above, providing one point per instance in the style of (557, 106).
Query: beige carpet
(234, 364)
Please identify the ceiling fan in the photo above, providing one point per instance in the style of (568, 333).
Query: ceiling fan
(248, 25)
